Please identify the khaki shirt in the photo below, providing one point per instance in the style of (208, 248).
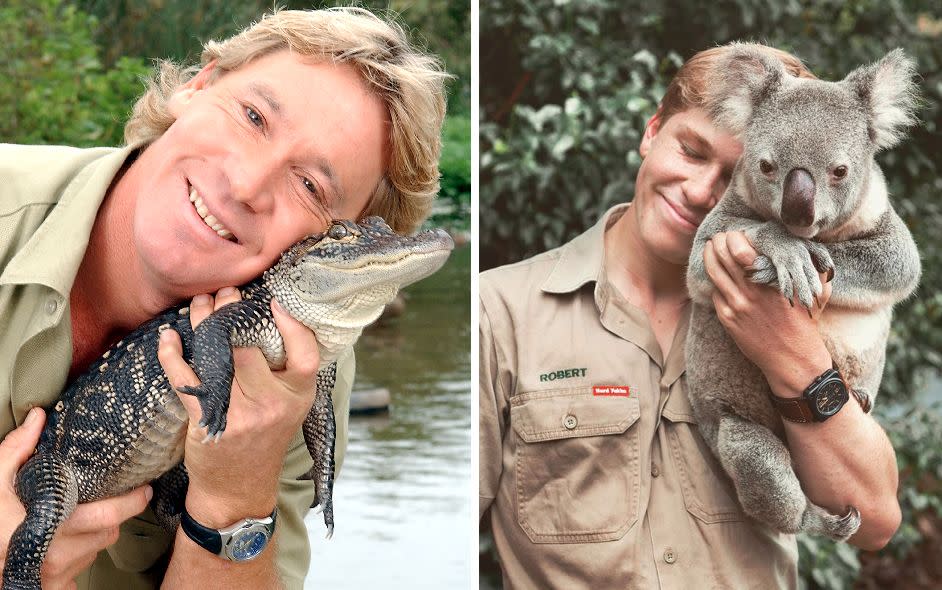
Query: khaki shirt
(591, 462)
(49, 197)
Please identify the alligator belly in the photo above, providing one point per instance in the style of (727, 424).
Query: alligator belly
(151, 446)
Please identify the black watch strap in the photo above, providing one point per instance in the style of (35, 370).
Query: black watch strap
(205, 537)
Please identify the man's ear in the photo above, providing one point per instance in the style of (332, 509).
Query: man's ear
(650, 130)
(182, 96)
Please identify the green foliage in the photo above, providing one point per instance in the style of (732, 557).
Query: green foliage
(453, 206)
(567, 88)
(176, 29)
(55, 88)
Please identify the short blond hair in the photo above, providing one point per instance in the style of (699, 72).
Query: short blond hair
(408, 81)
(687, 89)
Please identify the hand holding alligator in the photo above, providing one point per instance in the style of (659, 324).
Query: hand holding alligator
(765, 326)
(88, 530)
(238, 475)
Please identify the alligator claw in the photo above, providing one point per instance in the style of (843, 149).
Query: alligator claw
(330, 531)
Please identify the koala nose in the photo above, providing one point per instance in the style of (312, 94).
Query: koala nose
(798, 198)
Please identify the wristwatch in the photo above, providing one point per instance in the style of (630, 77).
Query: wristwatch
(825, 397)
(243, 541)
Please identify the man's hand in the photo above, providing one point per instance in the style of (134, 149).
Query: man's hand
(91, 527)
(238, 476)
(779, 338)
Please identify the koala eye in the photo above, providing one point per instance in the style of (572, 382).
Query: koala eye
(766, 167)
(840, 172)
(337, 231)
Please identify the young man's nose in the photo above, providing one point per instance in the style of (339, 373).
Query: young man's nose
(704, 190)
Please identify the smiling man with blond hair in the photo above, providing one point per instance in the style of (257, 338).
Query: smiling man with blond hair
(304, 117)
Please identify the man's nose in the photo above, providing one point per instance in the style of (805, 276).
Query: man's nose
(252, 179)
(704, 190)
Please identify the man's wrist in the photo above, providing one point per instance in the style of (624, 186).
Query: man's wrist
(218, 512)
(791, 377)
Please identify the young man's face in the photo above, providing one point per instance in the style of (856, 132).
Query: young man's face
(270, 152)
(686, 168)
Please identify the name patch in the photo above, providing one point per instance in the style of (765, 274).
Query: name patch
(563, 374)
(618, 390)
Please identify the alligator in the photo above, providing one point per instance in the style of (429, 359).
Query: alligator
(121, 425)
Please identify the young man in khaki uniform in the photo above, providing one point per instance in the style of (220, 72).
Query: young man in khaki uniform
(591, 463)
(302, 118)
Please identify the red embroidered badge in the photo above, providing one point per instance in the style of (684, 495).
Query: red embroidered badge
(619, 390)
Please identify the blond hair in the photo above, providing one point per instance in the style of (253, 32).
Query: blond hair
(409, 82)
(687, 89)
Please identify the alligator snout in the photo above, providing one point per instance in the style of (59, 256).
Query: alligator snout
(798, 198)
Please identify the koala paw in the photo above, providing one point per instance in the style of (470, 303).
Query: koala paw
(793, 264)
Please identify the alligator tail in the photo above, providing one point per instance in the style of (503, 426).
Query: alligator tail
(320, 433)
(47, 487)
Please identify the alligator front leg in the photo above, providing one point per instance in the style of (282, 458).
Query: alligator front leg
(48, 489)
(320, 434)
(241, 323)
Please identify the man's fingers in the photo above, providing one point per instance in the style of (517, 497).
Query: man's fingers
(94, 517)
(717, 271)
(303, 357)
(724, 255)
(227, 295)
(170, 355)
(200, 307)
(20, 443)
(740, 248)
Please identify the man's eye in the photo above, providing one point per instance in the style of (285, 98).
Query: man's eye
(309, 185)
(689, 152)
(253, 117)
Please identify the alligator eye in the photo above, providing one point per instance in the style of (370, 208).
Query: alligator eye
(840, 172)
(766, 167)
(337, 231)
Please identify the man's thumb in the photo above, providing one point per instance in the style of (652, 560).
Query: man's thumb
(20, 443)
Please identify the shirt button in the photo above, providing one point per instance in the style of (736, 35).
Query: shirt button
(570, 421)
(669, 555)
(655, 471)
(52, 305)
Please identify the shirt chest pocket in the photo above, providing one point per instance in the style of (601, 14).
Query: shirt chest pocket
(577, 465)
(708, 493)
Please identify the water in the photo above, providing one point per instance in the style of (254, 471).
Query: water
(402, 503)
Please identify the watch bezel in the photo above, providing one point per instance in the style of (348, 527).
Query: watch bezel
(814, 392)
(250, 526)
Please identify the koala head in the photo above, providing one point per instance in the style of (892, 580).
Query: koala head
(808, 145)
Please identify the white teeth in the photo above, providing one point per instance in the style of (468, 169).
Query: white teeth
(208, 219)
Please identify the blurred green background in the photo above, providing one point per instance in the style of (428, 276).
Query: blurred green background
(566, 88)
(72, 70)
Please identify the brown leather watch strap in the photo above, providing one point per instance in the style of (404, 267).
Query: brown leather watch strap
(795, 409)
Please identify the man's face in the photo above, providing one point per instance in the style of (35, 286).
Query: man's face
(686, 168)
(267, 154)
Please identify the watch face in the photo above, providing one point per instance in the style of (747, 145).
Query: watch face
(830, 398)
(247, 544)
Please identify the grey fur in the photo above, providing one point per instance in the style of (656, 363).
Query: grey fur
(785, 124)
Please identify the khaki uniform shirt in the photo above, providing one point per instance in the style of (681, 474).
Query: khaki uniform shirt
(590, 459)
(49, 197)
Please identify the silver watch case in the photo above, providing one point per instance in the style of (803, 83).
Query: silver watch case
(246, 539)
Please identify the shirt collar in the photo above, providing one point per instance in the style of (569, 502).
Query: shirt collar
(54, 252)
(582, 260)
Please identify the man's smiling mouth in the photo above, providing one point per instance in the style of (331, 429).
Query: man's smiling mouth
(208, 219)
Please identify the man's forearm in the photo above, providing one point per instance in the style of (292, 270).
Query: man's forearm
(846, 461)
(191, 566)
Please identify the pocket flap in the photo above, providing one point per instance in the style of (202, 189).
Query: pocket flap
(677, 408)
(569, 415)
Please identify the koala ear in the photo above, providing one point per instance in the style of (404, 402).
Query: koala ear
(889, 96)
(740, 80)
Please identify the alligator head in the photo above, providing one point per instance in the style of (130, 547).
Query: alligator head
(338, 282)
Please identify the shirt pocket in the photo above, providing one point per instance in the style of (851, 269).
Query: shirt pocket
(577, 465)
(708, 492)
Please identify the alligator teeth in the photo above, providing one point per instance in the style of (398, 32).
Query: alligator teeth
(208, 219)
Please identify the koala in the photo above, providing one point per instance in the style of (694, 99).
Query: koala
(811, 199)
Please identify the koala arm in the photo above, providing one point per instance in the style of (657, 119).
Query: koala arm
(729, 214)
(877, 267)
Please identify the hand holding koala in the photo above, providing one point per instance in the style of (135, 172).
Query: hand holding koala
(811, 199)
